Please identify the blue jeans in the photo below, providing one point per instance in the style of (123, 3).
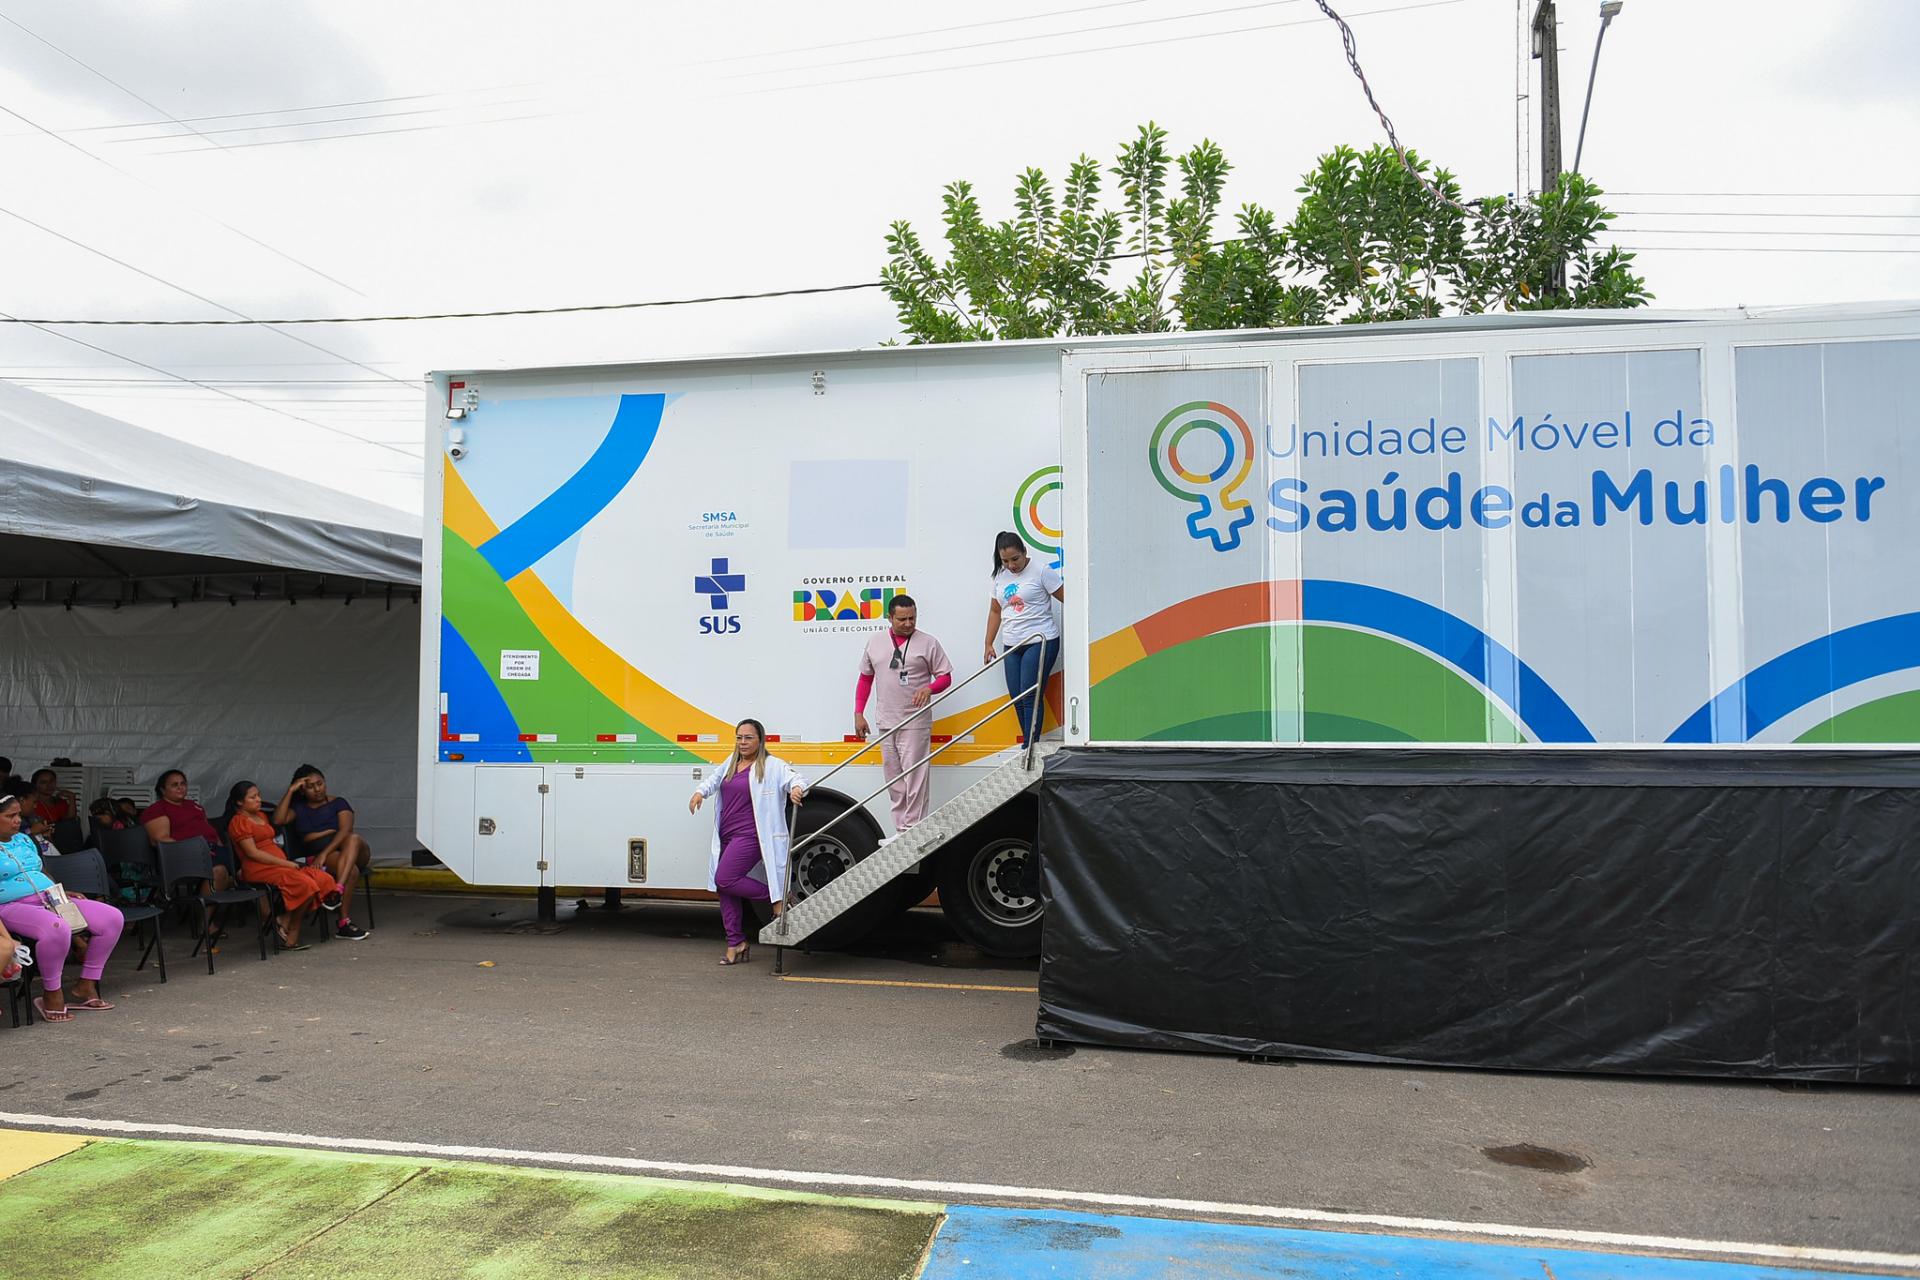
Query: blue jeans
(1025, 667)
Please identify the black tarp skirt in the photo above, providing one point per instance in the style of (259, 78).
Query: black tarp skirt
(1716, 913)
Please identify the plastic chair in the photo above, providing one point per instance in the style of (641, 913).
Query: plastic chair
(19, 989)
(190, 862)
(86, 872)
(131, 848)
(67, 836)
(313, 923)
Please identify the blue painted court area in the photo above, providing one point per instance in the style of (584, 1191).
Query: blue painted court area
(1022, 1244)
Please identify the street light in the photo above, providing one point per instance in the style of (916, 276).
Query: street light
(1609, 10)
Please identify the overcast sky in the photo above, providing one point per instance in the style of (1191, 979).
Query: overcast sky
(354, 158)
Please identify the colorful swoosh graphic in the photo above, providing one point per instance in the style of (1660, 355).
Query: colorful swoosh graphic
(1459, 645)
(1205, 670)
(587, 693)
(1779, 687)
(586, 493)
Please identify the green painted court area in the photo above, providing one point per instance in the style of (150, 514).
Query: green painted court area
(156, 1210)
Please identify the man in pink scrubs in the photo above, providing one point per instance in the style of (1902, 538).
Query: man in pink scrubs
(901, 670)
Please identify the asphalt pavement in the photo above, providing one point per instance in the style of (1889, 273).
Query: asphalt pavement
(463, 1021)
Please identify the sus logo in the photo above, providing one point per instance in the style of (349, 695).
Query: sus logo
(719, 587)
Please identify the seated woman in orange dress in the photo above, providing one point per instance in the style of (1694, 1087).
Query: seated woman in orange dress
(262, 862)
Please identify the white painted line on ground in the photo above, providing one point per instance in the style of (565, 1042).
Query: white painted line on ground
(982, 1190)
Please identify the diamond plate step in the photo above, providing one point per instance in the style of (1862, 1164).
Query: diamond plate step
(885, 864)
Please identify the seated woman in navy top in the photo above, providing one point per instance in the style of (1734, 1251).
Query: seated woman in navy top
(323, 834)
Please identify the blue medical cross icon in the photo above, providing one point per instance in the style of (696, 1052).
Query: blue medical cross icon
(719, 584)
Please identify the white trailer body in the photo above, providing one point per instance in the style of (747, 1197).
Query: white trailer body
(623, 562)
(1627, 529)
(1693, 533)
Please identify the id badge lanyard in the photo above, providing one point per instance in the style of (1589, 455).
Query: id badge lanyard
(899, 662)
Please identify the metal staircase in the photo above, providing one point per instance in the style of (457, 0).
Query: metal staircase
(898, 854)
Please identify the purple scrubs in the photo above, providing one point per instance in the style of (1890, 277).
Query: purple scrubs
(739, 855)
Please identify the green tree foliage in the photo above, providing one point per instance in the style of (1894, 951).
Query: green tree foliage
(1368, 241)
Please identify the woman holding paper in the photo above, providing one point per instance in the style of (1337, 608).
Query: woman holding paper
(29, 904)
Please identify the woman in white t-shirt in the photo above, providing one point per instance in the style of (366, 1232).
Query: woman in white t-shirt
(1021, 609)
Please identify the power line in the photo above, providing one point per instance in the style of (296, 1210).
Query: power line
(198, 297)
(314, 124)
(488, 315)
(1736, 248)
(322, 106)
(1736, 231)
(1078, 53)
(19, 370)
(476, 315)
(770, 72)
(1353, 61)
(187, 121)
(367, 133)
(1781, 195)
(121, 391)
(1755, 213)
(988, 44)
(152, 368)
(95, 71)
(251, 239)
(927, 31)
(225, 382)
(758, 74)
(533, 84)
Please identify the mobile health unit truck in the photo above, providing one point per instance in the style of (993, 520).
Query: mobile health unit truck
(1632, 532)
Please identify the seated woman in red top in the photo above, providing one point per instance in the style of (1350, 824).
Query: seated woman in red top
(262, 862)
(172, 816)
(48, 802)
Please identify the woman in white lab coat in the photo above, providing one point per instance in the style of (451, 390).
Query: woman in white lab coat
(750, 837)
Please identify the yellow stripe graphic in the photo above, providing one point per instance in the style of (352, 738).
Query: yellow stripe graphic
(652, 703)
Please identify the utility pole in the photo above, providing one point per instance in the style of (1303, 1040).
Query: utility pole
(1522, 99)
(1546, 47)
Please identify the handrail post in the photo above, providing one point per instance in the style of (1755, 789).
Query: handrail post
(838, 818)
(793, 815)
(1038, 716)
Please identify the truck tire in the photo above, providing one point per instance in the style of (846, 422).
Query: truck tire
(980, 886)
(817, 861)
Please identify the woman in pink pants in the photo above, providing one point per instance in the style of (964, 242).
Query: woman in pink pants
(749, 831)
(22, 910)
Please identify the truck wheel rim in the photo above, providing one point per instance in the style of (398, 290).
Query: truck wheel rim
(996, 870)
(818, 862)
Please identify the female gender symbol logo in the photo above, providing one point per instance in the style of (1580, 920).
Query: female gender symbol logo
(1033, 526)
(1221, 515)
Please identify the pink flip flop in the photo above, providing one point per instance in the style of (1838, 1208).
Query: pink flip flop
(52, 1015)
(93, 1005)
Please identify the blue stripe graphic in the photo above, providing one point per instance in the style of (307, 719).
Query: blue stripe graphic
(1028, 1244)
(1545, 713)
(586, 493)
(474, 704)
(1785, 684)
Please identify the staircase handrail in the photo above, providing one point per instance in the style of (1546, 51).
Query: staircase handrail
(837, 819)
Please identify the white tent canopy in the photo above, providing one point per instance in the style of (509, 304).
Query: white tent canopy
(78, 477)
(164, 606)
